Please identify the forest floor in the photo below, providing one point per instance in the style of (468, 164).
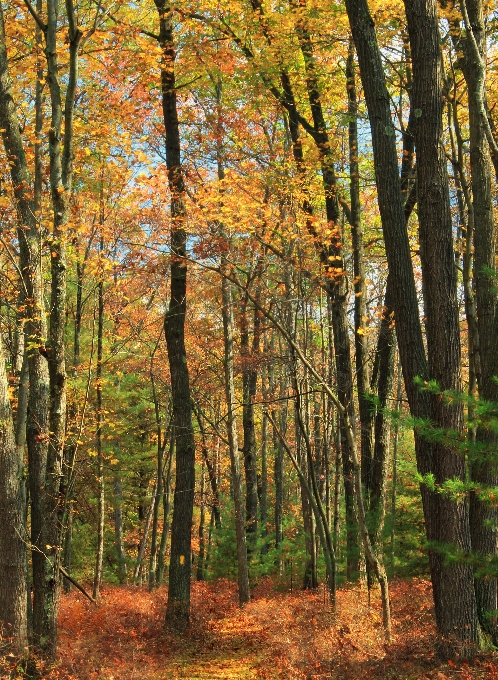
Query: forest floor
(278, 635)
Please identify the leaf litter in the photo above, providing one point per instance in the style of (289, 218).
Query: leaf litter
(277, 636)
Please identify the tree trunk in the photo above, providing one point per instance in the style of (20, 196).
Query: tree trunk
(249, 382)
(13, 597)
(448, 522)
(158, 497)
(240, 525)
(452, 586)
(29, 236)
(382, 380)
(98, 437)
(145, 536)
(263, 495)
(201, 573)
(166, 512)
(118, 530)
(178, 608)
(210, 468)
(360, 302)
(483, 514)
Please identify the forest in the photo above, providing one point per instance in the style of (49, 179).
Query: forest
(248, 339)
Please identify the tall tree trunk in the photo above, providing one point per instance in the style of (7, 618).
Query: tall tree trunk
(332, 257)
(143, 543)
(360, 302)
(61, 171)
(178, 608)
(449, 520)
(382, 382)
(399, 394)
(483, 514)
(278, 467)
(98, 433)
(29, 236)
(454, 599)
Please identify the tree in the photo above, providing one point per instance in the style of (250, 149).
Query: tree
(178, 610)
(446, 521)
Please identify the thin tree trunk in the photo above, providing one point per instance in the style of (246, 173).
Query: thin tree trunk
(263, 500)
(240, 526)
(360, 302)
(202, 544)
(210, 467)
(278, 469)
(98, 433)
(331, 253)
(157, 499)
(166, 511)
(249, 382)
(143, 542)
(118, 530)
(382, 380)
(318, 512)
(395, 471)
(61, 171)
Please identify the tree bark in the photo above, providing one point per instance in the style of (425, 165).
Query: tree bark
(98, 433)
(29, 236)
(178, 608)
(240, 524)
(249, 384)
(483, 515)
(13, 596)
(452, 586)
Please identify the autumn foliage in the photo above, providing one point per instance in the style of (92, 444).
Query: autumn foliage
(288, 635)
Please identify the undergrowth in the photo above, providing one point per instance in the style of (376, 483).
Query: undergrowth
(290, 636)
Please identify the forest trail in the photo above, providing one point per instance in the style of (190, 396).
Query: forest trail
(293, 636)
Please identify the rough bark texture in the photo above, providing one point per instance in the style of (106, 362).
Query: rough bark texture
(482, 515)
(35, 327)
(13, 598)
(178, 608)
(453, 593)
(449, 521)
